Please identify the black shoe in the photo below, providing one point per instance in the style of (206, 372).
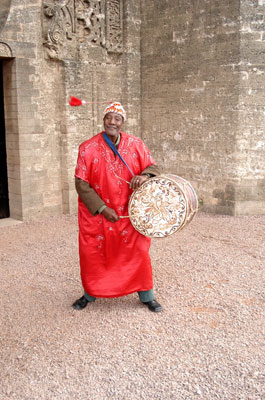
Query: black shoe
(80, 303)
(153, 306)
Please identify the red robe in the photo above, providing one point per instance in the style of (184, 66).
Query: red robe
(114, 257)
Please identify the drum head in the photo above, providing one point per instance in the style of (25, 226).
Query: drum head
(158, 208)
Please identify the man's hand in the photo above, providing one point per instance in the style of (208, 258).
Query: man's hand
(110, 214)
(137, 181)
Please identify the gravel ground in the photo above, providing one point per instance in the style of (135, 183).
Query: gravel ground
(208, 343)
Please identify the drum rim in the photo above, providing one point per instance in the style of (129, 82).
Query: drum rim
(185, 219)
(193, 211)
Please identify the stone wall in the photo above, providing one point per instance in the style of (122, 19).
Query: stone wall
(249, 193)
(25, 139)
(51, 50)
(202, 97)
(189, 73)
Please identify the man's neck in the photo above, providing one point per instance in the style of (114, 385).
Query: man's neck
(115, 140)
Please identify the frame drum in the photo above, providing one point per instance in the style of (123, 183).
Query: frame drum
(162, 206)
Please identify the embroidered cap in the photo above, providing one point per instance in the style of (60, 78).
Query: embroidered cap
(116, 108)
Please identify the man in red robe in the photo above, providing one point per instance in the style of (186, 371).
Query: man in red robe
(114, 257)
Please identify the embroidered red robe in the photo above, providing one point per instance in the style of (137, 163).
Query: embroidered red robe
(114, 257)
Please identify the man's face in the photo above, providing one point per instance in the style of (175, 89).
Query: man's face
(112, 124)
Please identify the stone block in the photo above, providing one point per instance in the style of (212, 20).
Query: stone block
(38, 212)
(15, 213)
(250, 207)
(13, 171)
(15, 200)
(52, 198)
(14, 186)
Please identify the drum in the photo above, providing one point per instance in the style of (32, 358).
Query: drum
(162, 206)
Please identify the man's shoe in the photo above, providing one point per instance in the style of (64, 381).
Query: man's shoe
(153, 306)
(80, 303)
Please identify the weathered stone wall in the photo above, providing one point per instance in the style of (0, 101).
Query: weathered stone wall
(202, 100)
(189, 73)
(25, 140)
(249, 193)
(61, 49)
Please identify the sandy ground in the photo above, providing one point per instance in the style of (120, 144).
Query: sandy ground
(208, 343)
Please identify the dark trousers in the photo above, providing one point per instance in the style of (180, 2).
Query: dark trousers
(144, 296)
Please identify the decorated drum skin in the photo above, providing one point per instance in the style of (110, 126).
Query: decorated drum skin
(162, 206)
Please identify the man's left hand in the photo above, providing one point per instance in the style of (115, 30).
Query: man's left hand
(137, 181)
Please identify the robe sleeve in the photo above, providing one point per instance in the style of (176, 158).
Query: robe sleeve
(86, 193)
(81, 170)
(152, 170)
(88, 196)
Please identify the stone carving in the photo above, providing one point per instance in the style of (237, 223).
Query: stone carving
(99, 23)
(4, 11)
(61, 26)
(5, 50)
(90, 14)
(114, 42)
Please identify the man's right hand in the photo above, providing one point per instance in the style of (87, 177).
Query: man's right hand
(110, 214)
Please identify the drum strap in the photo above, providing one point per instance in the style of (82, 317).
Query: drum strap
(111, 145)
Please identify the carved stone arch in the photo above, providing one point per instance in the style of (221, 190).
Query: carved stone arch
(5, 50)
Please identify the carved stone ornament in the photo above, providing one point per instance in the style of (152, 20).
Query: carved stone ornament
(96, 22)
(114, 27)
(90, 15)
(5, 50)
(4, 11)
(61, 26)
